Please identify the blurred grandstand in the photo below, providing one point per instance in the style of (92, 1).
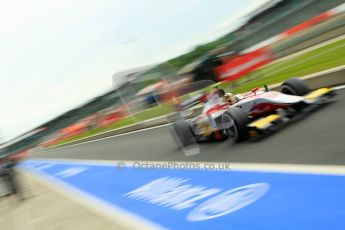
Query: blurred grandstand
(259, 28)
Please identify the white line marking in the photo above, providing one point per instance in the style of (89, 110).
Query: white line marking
(306, 50)
(104, 138)
(116, 214)
(235, 166)
(339, 87)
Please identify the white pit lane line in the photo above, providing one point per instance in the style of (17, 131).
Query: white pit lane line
(117, 215)
(136, 131)
(237, 166)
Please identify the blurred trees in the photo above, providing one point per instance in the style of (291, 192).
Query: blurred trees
(200, 51)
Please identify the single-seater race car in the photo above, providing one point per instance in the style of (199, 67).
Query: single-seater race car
(243, 115)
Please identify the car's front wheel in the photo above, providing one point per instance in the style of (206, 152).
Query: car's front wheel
(235, 123)
(182, 133)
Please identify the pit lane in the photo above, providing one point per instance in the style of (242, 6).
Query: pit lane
(316, 138)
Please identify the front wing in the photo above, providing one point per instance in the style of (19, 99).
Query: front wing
(313, 99)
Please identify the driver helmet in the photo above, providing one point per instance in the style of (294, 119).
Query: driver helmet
(219, 91)
(230, 98)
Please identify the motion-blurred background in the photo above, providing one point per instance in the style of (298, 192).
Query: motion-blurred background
(277, 40)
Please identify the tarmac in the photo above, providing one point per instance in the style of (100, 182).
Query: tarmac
(46, 209)
(314, 138)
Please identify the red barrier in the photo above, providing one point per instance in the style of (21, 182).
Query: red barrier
(112, 117)
(242, 65)
(311, 22)
(74, 129)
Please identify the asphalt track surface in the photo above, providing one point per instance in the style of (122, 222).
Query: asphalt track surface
(314, 138)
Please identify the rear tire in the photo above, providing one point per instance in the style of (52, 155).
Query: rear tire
(235, 123)
(295, 86)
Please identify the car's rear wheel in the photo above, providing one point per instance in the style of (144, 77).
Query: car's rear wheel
(295, 86)
(235, 123)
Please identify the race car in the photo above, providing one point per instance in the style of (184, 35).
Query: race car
(244, 115)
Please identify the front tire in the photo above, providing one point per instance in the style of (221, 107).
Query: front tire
(235, 123)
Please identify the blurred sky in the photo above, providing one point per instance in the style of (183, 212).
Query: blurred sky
(57, 54)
